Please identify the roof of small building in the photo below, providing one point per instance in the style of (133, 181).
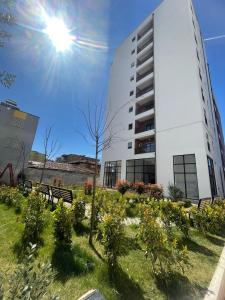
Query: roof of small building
(51, 165)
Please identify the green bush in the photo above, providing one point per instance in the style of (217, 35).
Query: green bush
(112, 230)
(30, 280)
(122, 186)
(62, 224)
(172, 213)
(34, 219)
(175, 194)
(12, 197)
(164, 255)
(78, 211)
(131, 208)
(209, 219)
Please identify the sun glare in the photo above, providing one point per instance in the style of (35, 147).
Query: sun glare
(59, 34)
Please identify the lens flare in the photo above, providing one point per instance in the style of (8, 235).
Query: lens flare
(59, 34)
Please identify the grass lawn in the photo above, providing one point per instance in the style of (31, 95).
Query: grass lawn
(80, 269)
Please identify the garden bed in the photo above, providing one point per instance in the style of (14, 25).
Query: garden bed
(80, 269)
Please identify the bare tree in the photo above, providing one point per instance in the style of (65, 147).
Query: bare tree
(51, 148)
(6, 18)
(101, 133)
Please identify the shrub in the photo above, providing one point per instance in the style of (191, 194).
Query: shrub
(30, 280)
(12, 197)
(187, 203)
(122, 186)
(139, 187)
(155, 191)
(131, 208)
(78, 210)
(172, 213)
(208, 219)
(62, 224)
(175, 194)
(88, 186)
(112, 230)
(163, 252)
(33, 219)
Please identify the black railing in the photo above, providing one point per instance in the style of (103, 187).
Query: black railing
(144, 91)
(141, 76)
(141, 61)
(140, 35)
(143, 46)
(143, 108)
(147, 148)
(145, 127)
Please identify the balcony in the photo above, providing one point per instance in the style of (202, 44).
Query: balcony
(143, 146)
(144, 45)
(141, 108)
(140, 92)
(146, 29)
(144, 58)
(143, 75)
(145, 125)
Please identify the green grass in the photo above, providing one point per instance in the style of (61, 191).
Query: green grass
(80, 269)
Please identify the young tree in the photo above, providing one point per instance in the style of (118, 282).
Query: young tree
(6, 18)
(101, 134)
(51, 147)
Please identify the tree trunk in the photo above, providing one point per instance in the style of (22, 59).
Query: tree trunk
(94, 195)
(42, 172)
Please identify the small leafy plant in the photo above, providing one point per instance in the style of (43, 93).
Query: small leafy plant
(62, 225)
(88, 186)
(78, 211)
(175, 194)
(122, 186)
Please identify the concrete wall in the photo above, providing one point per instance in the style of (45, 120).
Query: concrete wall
(17, 132)
(66, 178)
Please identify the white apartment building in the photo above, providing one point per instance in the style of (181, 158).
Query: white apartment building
(165, 114)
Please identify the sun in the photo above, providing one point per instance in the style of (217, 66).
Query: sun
(59, 34)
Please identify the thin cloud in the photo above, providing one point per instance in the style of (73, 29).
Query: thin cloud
(215, 38)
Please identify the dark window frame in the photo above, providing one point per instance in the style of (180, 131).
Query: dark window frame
(112, 173)
(129, 145)
(185, 173)
(131, 109)
(130, 126)
(212, 177)
(143, 164)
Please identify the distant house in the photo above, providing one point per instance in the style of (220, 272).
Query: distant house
(57, 173)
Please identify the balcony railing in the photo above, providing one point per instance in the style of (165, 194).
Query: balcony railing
(141, 76)
(148, 27)
(141, 61)
(144, 128)
(139, 93)
(147, 148)
(143, 46)
(142, 108)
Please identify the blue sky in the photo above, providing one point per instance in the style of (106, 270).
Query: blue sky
(53, 85)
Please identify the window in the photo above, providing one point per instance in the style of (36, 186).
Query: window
(185, 175)
(141, 170)
(130, 126)
(212, 177)
(196, 39)
(132, 65)
(209, 148)
(133, 51)
(131, 93)
(134, 38)
(203, 98)
(206, 120)
(132, 78)
(112, 173)
(200, 74)
(198, 56)
(130, 109)
(129, 145)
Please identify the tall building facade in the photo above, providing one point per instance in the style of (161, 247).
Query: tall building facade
(17, 132)
(165, 116)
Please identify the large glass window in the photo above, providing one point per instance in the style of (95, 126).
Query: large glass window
(141, 170)
(112, 173)
(185, 175)
(212, 177)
